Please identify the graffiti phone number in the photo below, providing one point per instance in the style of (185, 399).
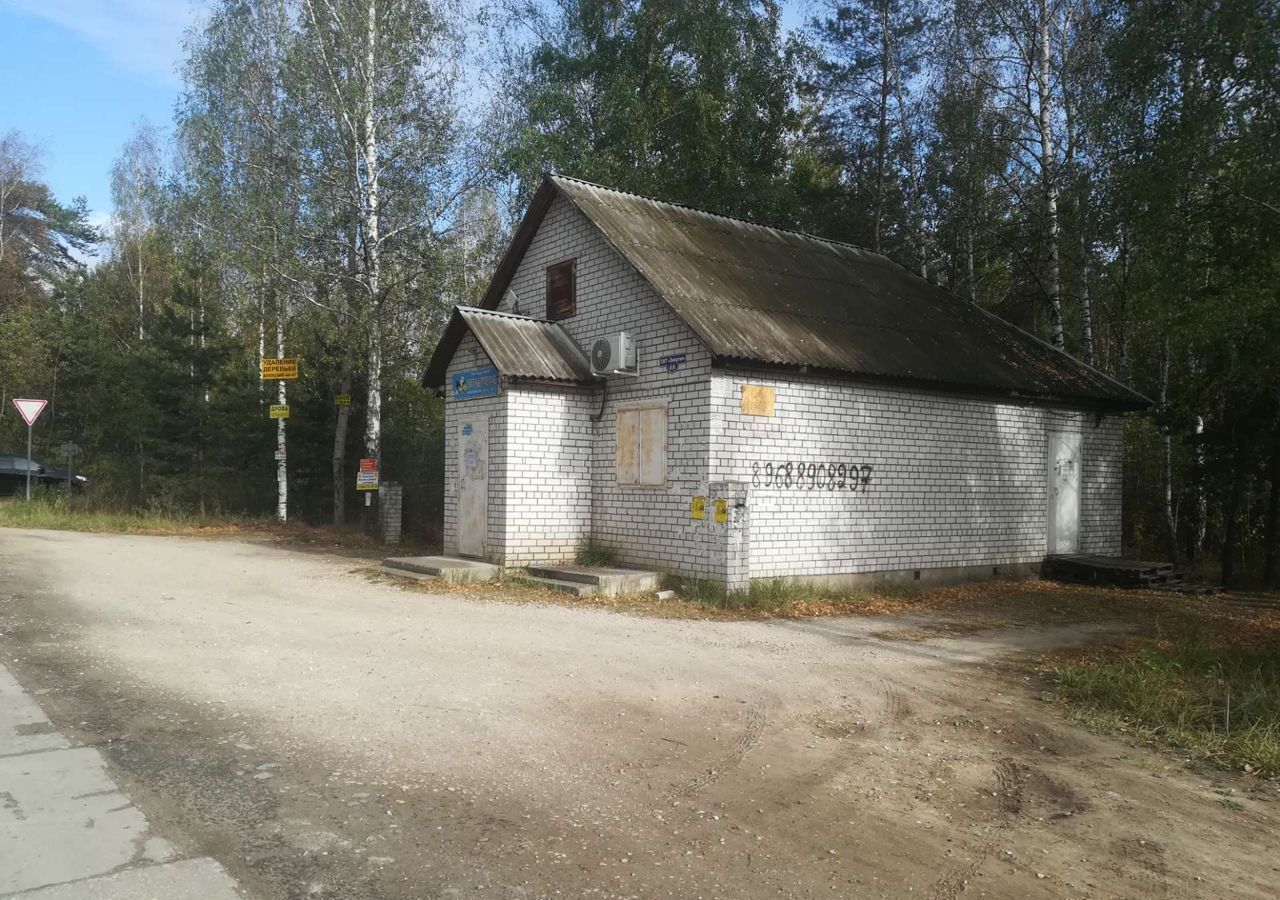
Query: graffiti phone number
(811, 476)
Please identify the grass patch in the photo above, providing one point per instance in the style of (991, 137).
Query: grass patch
(81, 514)
(786, 597)
(61, 513)
(1214, 698)
(597, 556)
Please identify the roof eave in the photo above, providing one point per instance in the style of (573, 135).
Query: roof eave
(1109, 405)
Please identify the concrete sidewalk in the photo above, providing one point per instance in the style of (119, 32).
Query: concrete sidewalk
(68, 833)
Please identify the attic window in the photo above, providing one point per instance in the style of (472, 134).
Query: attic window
(562, 290)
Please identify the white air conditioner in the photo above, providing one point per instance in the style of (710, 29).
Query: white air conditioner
(614, 355)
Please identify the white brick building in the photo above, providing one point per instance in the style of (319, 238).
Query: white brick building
(800, 408)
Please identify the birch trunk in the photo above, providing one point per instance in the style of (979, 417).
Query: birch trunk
(142, 299)
(1049, 177)
(372, 247)
(882, 130)
(1166, 464)
(282, 460)
(1200, 526)
(1086, 311)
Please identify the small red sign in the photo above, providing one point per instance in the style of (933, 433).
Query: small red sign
(30, 409)
(368, 465)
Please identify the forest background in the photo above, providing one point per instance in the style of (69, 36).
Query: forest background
(339, 173)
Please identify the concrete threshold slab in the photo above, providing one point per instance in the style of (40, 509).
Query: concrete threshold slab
(608, 581)
(453, 569)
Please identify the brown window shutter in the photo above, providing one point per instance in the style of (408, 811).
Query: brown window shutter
(562, 287)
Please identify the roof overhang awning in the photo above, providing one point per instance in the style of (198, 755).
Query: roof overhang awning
(518, 346)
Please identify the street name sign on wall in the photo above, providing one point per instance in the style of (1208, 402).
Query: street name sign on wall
(30, 409)
(475, 383)
(280, 369)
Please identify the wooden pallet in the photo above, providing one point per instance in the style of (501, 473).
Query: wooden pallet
(1111, 571)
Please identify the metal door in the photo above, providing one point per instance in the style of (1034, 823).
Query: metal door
(1064, 492)
(473, 485)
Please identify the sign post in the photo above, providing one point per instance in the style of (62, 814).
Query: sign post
(69, 451)
(30, 411)
(280, 369)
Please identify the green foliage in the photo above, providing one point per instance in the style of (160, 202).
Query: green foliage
(1166, 117)
(687, 100)
(1221, 702)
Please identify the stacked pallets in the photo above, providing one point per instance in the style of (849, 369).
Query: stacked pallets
(1111, 571)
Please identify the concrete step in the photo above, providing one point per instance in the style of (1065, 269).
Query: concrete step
(608, 581)
(452, 569)
(574, 588)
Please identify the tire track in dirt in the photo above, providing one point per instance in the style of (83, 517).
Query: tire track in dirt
(748, 740)
(894, 709)
(1009, 782)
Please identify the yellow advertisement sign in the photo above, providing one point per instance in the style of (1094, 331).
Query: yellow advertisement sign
(280, 369)
(279, 410)
(722, 511)
(342, 399)
(698, 508)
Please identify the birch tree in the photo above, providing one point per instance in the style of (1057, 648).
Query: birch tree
(381, 80)
(135, 185)
(1021, 64)
(240, 133)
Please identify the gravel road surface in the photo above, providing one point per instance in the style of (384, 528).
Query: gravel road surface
(319, 734)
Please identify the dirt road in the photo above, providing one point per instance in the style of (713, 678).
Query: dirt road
(324, 736)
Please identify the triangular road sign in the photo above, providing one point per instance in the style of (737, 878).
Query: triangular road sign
(30, 409)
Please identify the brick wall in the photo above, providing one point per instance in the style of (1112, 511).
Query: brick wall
(470, 355)
(548, 488)
(952, 481)
(1102, 484)
(646, 526)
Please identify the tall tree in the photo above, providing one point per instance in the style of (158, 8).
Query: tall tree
(870, 52)
(688, 100)
(41, 239)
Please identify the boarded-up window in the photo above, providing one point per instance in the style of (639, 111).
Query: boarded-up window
(562, 290)
(642, 445)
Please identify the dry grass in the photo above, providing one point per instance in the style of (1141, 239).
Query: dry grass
(61, 514)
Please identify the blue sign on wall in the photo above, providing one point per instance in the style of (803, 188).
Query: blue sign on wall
(475, 383)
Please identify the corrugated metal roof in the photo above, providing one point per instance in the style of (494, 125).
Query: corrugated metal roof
(761, 294)
(519, 346)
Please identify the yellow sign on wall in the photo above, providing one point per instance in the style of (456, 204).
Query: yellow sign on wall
(757, 400)
(279, 410)
(280, 369)
(698, 508)
(722, 511)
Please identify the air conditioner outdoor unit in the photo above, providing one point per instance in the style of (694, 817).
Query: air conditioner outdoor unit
(614, 355)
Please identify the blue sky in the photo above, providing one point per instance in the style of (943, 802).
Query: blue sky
(76, 75)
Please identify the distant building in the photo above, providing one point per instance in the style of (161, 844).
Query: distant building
(798, 408)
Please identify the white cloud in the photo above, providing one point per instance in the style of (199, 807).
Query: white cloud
(143, 36)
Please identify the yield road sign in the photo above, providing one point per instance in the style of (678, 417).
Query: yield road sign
(30, 409)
